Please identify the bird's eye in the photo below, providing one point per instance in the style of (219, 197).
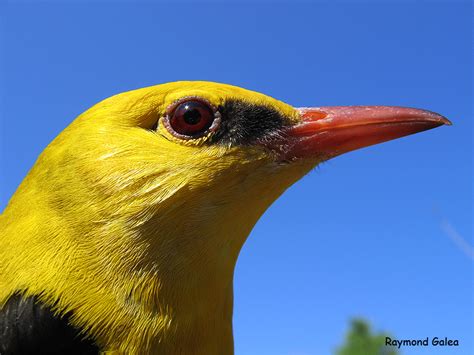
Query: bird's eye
(191, 118)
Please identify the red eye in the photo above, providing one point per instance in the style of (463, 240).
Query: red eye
(191, 118)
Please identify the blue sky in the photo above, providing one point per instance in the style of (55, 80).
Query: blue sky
(365, 234)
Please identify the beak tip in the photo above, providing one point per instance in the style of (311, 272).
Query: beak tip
(436, 117)
(446, 122)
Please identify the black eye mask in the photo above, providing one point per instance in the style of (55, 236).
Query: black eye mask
(244, 123)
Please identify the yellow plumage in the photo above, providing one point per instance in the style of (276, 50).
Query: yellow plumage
(127, 226)
(133, 217)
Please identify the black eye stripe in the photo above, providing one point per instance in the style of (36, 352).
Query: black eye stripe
(236, 122)
(244, 123)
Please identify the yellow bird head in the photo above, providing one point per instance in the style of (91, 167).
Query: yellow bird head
(133, 217)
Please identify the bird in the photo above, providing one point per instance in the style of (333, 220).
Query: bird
(124, 235)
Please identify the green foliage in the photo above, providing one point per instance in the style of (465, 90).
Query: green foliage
(361, 341)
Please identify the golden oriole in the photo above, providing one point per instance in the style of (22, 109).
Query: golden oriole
(123, 237)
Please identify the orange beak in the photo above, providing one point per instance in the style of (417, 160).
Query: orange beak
(326, 132)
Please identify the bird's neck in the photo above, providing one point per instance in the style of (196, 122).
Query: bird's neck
(192, 277)
(190, 251)
(200, 313)
(182, 285)
(155, 272)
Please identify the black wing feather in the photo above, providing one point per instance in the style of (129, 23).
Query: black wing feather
(29, 327)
